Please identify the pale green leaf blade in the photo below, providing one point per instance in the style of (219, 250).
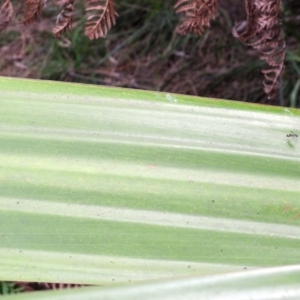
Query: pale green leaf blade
(103, 185)
(263, 284)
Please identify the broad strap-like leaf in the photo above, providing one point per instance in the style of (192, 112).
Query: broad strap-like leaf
(104, 185)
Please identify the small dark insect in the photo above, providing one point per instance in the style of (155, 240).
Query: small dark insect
(292, 135)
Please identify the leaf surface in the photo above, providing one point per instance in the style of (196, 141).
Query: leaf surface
(104, 185)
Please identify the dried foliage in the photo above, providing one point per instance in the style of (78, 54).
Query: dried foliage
(64, 19)
(6, 12)
(197, 15)
(263, 31)
(32, 10)
(102, 16)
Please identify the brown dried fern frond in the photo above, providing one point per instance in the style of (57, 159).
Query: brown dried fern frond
(64, 19)
(39, 286)
(57, 286)
(263, 31)
(197, 15)
(101, 17)
(32, 10)
(6, 12)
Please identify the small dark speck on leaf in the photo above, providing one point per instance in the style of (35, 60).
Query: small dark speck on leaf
(213, 201)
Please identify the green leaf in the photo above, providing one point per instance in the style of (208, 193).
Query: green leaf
(270, 283)
(103, 185)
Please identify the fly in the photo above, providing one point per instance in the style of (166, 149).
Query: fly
(292, 135)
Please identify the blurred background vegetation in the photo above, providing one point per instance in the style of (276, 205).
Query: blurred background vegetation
(143, 51)
(7, 288)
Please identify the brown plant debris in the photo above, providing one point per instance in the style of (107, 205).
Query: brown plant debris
(197, 15)
(32, 10)
(102, 16)
(39, 286)
(6, 12)
(64, 19)
(263, 31)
